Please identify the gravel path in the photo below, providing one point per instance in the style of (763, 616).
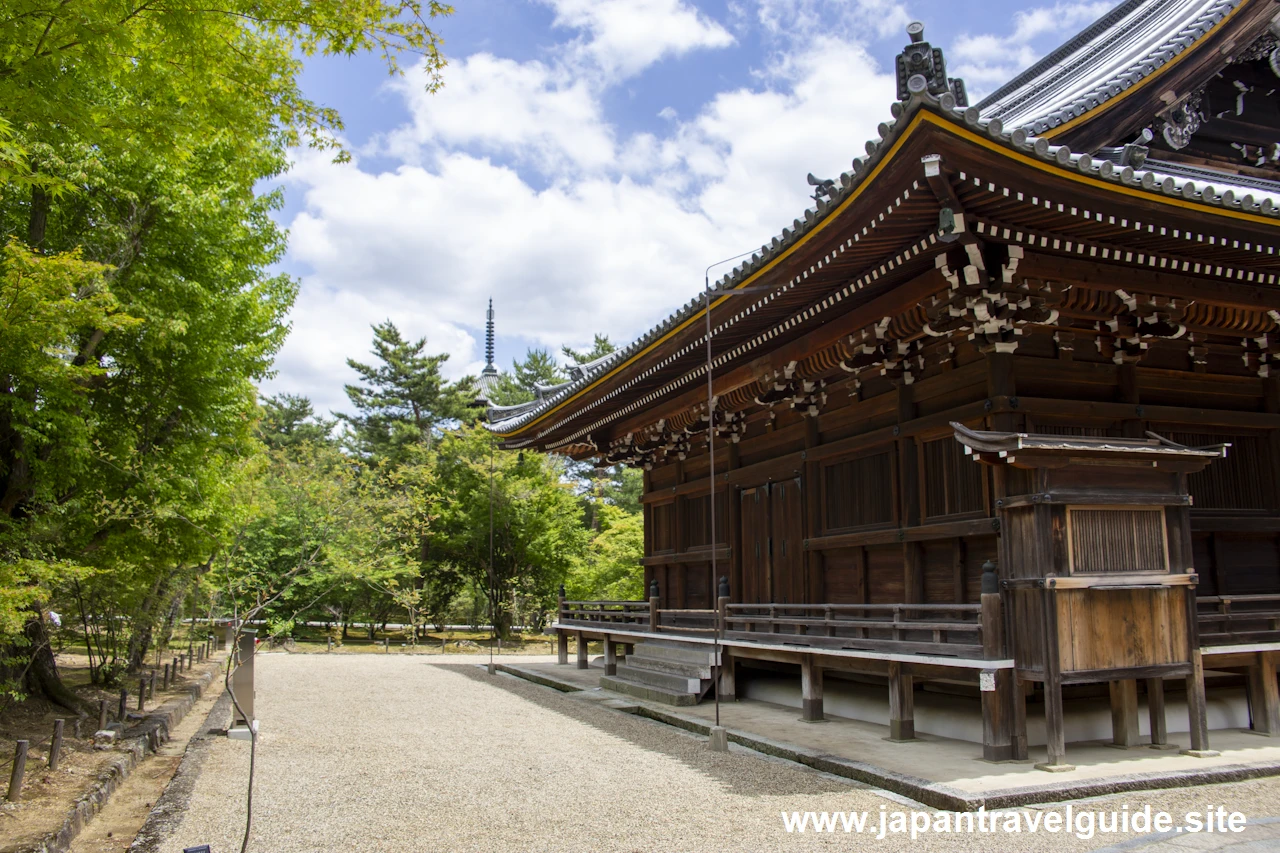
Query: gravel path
(398, 753)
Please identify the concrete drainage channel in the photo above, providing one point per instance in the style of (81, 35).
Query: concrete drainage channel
(931, 794)
(143, 738)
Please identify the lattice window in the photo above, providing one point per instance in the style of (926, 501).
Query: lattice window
(698, 525)
(952, 481)
(860, 492)
(1237, 482)
(1109, 540)
(663, 517)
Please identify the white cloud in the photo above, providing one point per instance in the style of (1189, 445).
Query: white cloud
(844, 19)
(623, 37)
(612, 243)
(528, 112)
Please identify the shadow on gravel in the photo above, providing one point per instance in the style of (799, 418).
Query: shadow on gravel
(743, 774)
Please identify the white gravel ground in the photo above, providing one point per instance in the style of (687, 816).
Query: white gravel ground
(400, 753)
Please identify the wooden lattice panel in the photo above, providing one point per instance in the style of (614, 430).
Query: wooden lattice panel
(1106, 540)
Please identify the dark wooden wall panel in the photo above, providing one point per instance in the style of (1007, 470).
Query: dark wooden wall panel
(884, 574)
(940, 571)
(843, 576)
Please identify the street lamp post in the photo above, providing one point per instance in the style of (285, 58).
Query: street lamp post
(719, 740)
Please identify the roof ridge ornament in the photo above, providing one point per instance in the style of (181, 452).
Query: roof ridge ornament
(921, 67)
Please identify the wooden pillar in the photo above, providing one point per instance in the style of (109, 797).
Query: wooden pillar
(1054, 727)
(810, 690)
(1019, 734)
(996, 686)
(1264, 702)
(1156, 715)
(610, 657)
(562, 647)
(582, 651)
(1124, 712)
(1001, 383)
(902, 704)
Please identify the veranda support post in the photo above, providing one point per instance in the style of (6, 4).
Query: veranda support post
(654, 600)
(610, 656)
(1264, 699)
(902, 710)
(582, 651)
(1156, 713)
(811, 690)
(1124, 712)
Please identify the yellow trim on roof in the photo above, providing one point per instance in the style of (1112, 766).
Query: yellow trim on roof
(857, 192)
(922, 116)
(1098, 183)
(1142, 84)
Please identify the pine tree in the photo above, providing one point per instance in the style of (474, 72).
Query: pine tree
(403, 398)
(599, 349)
(538, 368)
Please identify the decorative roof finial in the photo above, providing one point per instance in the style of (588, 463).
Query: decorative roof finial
(488, 340)
(921, 67)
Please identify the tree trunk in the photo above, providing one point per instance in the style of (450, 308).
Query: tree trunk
(42, 673)
(38, 220)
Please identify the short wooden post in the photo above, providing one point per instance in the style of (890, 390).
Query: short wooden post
(124, 704)
(811, 690)
(386, 643)
(1264, 700)
(1124, 712)
(582, 651)
(102, 714)
(902, 704)
(1197, 713)
(1055, 732)
(164, 683)
(1054, 728)
(562, 646)
(191, 659)
(55, 747)
(329, 647)
(19, 769)
(1156, 713)
(1019, 733)
(728, 683)
(654, 598)
(142, 694)
(998, 685)
(151, 686)
(610, 657)
(722, 605)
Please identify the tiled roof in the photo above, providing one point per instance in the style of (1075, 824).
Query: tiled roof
(1210, 189)
(1117, 51)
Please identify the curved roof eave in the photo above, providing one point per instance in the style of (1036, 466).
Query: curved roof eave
(1220, 198)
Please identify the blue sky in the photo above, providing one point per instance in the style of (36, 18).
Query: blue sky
(586, 159)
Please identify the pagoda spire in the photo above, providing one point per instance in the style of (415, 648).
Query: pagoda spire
(488, 340)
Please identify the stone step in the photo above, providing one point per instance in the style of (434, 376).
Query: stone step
(678, 653)
(664, 680)
(672, 667)
(647, 691)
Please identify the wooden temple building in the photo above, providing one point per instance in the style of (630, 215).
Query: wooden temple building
(995, 414)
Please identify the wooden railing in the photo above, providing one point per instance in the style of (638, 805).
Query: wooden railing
(939, 629)
(1228, 620)
(621, 614)
(952, 630)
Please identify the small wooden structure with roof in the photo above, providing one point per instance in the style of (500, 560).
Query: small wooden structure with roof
(1088, 255)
